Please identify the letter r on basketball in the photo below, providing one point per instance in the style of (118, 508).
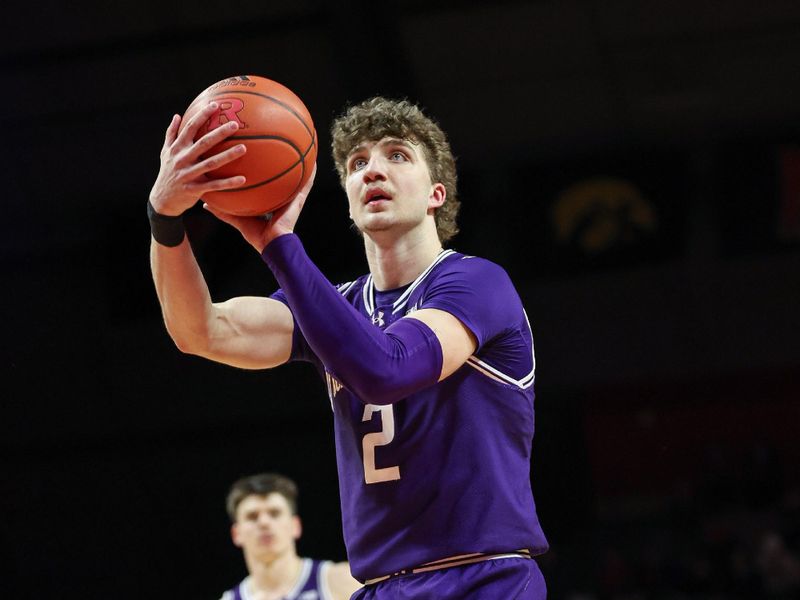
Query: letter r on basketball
(229, 109)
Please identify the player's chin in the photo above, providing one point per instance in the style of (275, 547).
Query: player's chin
(374, 223)
(265, 550)
(380, 219)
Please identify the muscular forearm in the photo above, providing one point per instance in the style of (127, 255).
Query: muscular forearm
(380, 367)
(183, 295)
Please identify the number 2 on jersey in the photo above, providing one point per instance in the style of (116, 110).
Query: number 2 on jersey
(376, 439)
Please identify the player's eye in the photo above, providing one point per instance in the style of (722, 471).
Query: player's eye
(398, 156)
(357, 164)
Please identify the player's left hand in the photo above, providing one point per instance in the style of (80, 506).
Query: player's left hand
(260, 231)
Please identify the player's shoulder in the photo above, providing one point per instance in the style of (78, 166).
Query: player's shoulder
(229, 595)
(481, 269)
(461, 260)
(240, 587)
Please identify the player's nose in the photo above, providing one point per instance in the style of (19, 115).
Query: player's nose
(375, 169)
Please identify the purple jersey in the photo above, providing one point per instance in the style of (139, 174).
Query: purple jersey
(499, 579)
(311, 585)
(445, 471)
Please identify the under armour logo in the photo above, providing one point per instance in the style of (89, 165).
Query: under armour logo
(378, 319)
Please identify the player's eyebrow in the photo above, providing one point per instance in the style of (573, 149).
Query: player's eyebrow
(388, 141)
(395, 141)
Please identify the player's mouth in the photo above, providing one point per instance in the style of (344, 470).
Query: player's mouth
(376, 194)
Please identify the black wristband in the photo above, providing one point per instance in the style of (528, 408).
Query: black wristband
(167, 231)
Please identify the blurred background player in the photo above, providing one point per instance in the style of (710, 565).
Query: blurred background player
(428, 359)
(266, 526)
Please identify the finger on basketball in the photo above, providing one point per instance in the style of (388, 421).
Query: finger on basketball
(217, 160)
(188, 133)
(215, 185)
(215, 136)
(172, 131)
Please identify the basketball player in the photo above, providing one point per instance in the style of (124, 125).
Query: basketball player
(428, 358)
(265, 525)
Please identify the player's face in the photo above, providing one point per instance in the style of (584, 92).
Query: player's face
(265, 526)
(389, 186)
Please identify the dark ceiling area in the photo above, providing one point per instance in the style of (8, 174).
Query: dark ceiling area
(634, 165)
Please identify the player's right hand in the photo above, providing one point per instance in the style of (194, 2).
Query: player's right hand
(182, 178)
(258, 231)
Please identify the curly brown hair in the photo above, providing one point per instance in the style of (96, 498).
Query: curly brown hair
(379, 117)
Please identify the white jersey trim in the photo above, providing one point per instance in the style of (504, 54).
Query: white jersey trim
(345, 287)
(368, 295)
(322, 581)
(243, 593)
(368, 291)
(398, 304)
(493, 373)
(305, 572)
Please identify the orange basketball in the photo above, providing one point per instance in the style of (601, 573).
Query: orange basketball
(279, 134)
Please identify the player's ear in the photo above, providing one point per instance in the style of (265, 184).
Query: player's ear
(437, 196)
(297, 527)
(235, 535)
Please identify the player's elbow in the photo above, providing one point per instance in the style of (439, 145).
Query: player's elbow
(379, 396)
(188, 342)
(185, 345)
(406, 360)
(381, 388)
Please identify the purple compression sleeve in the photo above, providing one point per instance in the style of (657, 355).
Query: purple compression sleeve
(380, 367)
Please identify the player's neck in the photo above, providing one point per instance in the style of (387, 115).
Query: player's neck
(398, 262)
(271, 580)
